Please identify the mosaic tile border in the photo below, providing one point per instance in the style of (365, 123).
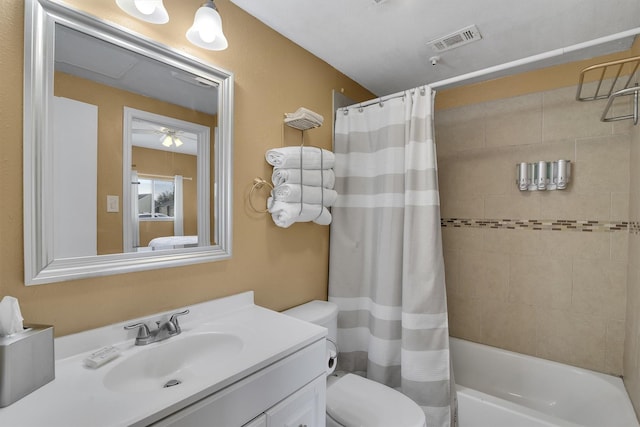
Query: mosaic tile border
(634, 227)
(549, 225)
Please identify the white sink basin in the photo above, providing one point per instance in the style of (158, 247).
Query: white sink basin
(169, 363)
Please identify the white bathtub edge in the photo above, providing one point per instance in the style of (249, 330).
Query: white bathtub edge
(471, 348)
(519, 411)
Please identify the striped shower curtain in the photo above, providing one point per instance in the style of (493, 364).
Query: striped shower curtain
(386, 270)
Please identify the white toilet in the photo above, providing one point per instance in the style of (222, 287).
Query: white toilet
(354, 401)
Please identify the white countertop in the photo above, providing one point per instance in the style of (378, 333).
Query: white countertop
(78, 396)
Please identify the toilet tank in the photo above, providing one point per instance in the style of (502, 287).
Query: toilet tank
(322, 313)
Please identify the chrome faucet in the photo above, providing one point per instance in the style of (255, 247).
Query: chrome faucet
(165, 330)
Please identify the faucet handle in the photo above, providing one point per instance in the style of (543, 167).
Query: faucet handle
(174, 319)
(143, 330)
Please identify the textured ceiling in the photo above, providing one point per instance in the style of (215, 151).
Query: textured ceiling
(383, 45)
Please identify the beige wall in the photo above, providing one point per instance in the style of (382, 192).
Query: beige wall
(560, 295)
(283, 266)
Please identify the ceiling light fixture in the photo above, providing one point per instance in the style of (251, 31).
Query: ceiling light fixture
(152, 11)
(206, 31)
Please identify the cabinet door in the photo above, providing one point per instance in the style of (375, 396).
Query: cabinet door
(304, 408)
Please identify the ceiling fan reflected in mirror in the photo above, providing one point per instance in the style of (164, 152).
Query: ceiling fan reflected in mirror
(155, 136)
(171, 138)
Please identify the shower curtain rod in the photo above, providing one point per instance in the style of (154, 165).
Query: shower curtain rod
(385, 98)
(506, 66)
(535, 58)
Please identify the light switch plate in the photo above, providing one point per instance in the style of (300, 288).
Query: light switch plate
(113, 204)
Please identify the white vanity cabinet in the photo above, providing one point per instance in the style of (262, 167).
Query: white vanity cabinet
(236, 364)
(305, 408)
(288, 393)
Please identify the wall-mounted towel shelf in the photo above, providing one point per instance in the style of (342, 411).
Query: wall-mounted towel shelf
(301, 193)
(303, 119)
(301, 124)
(620, 86)
(633, 91)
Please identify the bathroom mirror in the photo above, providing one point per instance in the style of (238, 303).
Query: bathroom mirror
(121, 133)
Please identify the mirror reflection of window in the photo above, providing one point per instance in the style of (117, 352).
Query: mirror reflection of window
(156, 199)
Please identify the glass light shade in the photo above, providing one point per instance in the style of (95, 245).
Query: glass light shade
(167, 142)
(152, 11)
(177, 141)
(206, 31)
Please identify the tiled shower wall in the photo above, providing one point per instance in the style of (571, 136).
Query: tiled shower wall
(541, 273)
(632, 336)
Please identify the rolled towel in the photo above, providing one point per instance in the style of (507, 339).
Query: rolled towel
(289, 157)
(296, 193)
(317, 177)
(284, 214)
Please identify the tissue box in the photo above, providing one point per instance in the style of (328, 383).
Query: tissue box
(26, 362)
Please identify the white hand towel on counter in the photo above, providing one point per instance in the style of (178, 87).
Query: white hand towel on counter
(289, 157)
(317, 177)
(296, 193)
(284, 214)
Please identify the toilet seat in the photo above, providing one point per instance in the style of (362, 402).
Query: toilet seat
(356, 401)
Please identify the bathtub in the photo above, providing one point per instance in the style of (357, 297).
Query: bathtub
(499, 388)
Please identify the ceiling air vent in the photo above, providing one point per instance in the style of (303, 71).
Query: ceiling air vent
(456, 39)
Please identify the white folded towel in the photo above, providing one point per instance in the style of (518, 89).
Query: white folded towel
(312, 157)
(296, 193)
(317, 177)
(305, 112)
(284, 214)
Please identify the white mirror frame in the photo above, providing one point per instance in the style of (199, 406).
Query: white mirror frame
(40, 265)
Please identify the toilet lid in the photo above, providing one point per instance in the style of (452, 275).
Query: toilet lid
(356, 401)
